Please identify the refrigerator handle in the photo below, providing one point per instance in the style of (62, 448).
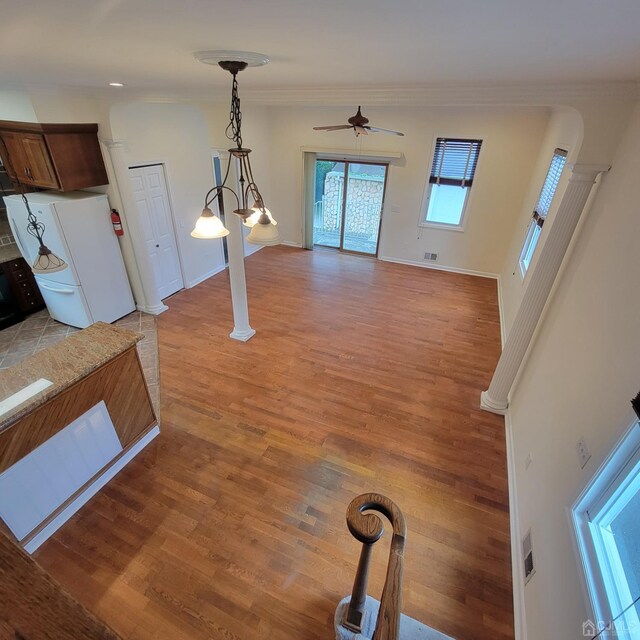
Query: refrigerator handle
(54, 289)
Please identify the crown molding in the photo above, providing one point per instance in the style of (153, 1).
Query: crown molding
(430, 95)
(545, 95)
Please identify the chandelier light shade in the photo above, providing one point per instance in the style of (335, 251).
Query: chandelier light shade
(209, 225)
(47, 261)
(255, 216)
(264, 232)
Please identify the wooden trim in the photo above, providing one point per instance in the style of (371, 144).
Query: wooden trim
(146, 387)
(35, 606)
(54, 514)
(38, 127)
(124, 397)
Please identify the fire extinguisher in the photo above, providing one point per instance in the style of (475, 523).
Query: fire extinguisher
(116, 222)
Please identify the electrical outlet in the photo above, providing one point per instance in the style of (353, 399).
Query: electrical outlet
(583, 452)
(430, 256)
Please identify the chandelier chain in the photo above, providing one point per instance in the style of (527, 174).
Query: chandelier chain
(234, 128)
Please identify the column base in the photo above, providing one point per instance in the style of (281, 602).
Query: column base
(154, 310)
(488, 404)
(243, 336)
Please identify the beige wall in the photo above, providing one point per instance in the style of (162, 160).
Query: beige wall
(580, 375)
(510, 149)
(16, 105)
(564, 130)
(177, 136)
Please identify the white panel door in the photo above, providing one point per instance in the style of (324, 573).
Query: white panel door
(154, 213)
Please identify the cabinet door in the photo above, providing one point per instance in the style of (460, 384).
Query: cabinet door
(14, 157)
(41, 172)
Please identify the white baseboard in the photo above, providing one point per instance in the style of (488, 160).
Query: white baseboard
(503, 336)
(289, 243)
(90, 491)
(154, 311)
(468, 272)
(207, 275)
(440, 267)
(517, 570)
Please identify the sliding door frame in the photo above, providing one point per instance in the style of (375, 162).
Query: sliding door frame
(347, 162)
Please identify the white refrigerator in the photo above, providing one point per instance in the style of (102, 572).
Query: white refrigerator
(78, 229)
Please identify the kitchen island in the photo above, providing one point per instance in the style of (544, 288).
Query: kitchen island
(71, 416)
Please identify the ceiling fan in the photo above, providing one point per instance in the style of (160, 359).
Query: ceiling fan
(359, 124)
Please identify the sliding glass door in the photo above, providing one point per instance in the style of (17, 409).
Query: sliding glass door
(348, 204)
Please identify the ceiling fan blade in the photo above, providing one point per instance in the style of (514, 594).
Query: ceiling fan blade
(333, 127)
(361, 130)
(396, 133)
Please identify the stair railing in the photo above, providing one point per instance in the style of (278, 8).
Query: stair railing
(368, 529)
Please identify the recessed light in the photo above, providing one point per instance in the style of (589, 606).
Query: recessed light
(116, 84)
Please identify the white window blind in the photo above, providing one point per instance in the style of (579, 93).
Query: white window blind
(455, 161)
(550, 185)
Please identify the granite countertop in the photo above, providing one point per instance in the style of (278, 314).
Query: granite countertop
(64, 363)
(9, 252)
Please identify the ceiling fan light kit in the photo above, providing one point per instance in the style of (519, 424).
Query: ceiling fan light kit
(359, 124)
(208, 224)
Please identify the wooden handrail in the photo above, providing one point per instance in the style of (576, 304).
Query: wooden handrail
(368, 529)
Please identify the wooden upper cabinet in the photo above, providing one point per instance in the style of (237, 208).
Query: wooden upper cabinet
(53, 156)
(13, 149)
(39, 170)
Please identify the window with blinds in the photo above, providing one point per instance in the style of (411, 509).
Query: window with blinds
(455, 162)
(550, 185)
(541, 209)
(452, 173)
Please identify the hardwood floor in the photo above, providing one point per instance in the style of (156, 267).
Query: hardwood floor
(363, 376)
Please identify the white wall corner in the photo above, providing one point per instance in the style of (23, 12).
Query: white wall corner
(517, 570)
(503, 331)
(205, 276)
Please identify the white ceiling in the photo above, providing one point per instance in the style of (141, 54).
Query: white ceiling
(149, 44)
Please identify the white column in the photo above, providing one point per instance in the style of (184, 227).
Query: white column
(235, 247)
(496, 397)
(153, 304)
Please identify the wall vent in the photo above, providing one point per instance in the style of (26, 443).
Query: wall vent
(430, 256)
(527, 555)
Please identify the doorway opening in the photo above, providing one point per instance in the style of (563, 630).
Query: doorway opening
(153, 207)
(348, 204)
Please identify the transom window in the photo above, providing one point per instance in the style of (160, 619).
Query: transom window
(452, 172)
(607, 521)
(542, 209)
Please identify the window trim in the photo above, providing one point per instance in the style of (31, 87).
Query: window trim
(599, 490)
(443, 225)
(536, 217)
(424, 208)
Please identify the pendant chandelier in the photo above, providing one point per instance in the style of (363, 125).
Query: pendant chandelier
(46, 261)
(264, 229)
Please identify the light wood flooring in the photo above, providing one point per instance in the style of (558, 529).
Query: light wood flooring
(363, 376)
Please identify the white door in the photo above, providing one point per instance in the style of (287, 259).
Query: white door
(154, 212)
